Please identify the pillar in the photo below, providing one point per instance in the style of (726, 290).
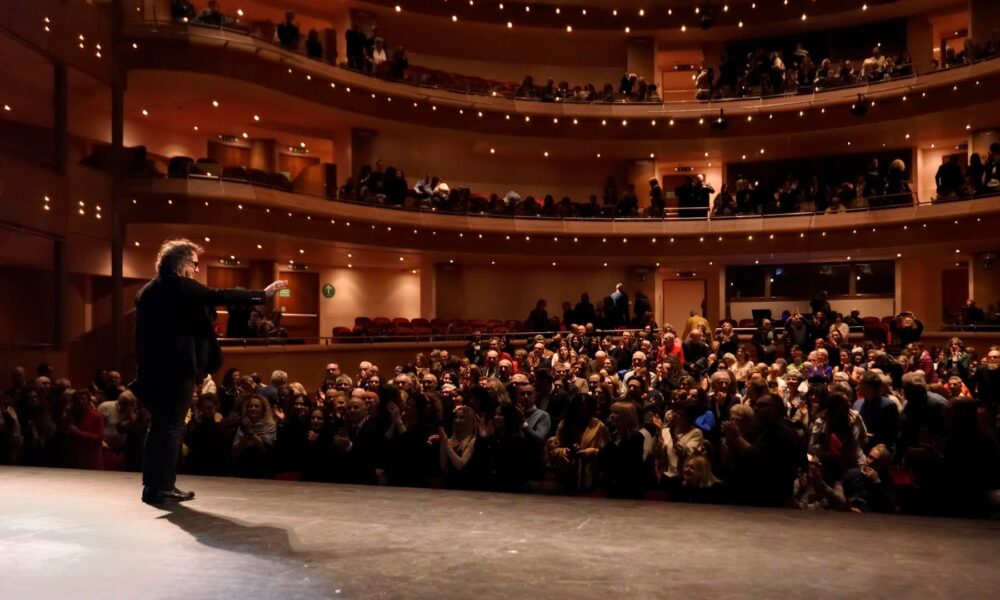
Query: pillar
(118, 75)
(640, 53)
(60, 116)
(59, 290)
(262, 272)
(920, 42)
(428, 288)
(264, 155)
(984, 16)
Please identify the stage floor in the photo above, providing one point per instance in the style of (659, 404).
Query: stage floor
(79, 534)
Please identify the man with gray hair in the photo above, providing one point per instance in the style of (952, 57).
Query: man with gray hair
(175, 345)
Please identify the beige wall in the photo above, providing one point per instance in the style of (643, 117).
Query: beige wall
(928, 161)
(367, 292)
(511, 292)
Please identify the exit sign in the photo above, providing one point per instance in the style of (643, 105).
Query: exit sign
(285, 293)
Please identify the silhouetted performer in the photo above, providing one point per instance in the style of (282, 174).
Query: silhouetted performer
(175, 342)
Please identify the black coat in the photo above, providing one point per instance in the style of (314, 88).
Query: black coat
(174, 338)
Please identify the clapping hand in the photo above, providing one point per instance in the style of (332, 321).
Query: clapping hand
(279, 415)
(245, 424)
(312, 436)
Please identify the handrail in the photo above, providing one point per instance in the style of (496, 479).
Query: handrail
(692, 107)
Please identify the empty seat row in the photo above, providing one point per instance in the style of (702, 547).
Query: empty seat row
(185, 166)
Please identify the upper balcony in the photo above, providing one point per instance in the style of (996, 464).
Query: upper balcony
(235, 54)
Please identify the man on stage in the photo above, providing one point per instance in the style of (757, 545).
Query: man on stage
(175, 342)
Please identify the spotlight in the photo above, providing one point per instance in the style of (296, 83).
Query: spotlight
(859, 108)
(722, 122)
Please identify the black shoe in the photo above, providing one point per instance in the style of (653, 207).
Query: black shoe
(151, 496)
(179, 495)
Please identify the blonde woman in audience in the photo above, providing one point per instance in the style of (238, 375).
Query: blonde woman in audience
(457, 451)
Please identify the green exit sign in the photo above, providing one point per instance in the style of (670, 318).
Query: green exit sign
(285, 293)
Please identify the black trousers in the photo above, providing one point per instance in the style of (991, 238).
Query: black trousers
(168, 404)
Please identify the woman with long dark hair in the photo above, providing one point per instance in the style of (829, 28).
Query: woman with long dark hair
(578, 440)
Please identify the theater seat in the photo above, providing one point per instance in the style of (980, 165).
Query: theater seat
(258, 177)
(209, 167)
(280, 182)
(339, 333)
(401, 322)
(235, 173)
(420, 322)
(181, 166)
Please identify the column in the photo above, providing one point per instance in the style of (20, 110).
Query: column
(118, 75)
(59, 289)
(60, 111)
(920, 42)
(262, 272)
(264, 155)
(428, 288)
(640, 55)
(984, 16)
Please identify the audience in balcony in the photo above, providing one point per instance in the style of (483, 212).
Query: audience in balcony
(287, 32)
(314, 48)
(874, 188)
(766, 73)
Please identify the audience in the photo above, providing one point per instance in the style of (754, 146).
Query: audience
(876, 188)
(628, 415)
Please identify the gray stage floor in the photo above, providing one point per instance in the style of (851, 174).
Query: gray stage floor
(77, 534)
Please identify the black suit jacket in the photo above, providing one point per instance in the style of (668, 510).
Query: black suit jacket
(358, 463)
(174, 337)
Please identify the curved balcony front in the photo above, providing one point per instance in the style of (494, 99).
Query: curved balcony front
(966, 225)
(234, 54)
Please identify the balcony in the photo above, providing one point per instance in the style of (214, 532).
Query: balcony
(234, 53)
(236, 206)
